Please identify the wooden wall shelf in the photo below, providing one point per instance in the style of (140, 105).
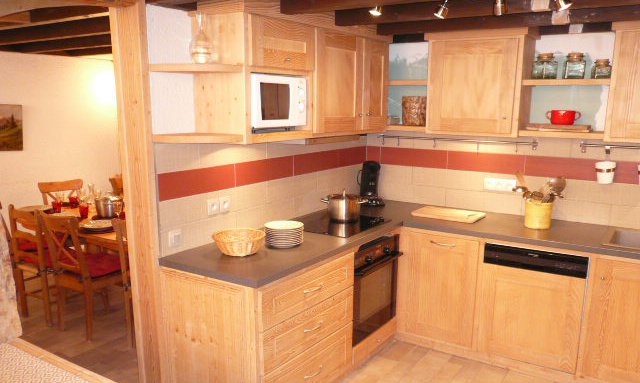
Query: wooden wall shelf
(566, 82)
(195, 68)
(408, 83)
(579, 135)
(198, 138)
(407, 128)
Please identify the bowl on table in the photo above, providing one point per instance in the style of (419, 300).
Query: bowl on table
(239, 242)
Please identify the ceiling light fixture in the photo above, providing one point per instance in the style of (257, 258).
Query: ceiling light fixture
(563, 4)
(500, 7)
(376, 11)
(442, 11)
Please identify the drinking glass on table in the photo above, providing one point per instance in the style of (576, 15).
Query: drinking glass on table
(83, 209)
(56, 203)
(73, 201)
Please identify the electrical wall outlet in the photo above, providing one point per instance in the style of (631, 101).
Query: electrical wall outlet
(499, 184)
(213, 206)
(175, 238)
(225, 204)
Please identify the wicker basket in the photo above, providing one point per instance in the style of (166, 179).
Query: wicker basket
(414, 110)
(239, 242)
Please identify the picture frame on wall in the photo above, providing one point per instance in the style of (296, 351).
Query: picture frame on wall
(11, 127)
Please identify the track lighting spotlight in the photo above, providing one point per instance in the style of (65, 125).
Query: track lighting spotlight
(563, 4)
(442, 11)
(376, 11)
(500, 7)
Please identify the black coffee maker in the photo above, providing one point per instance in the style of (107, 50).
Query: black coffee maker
(369, 183)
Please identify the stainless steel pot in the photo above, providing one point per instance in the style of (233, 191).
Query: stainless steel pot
(344, 207)
(109, 206)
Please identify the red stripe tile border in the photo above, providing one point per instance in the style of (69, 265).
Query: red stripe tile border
(572, 168)
(197, 181)
(374, 153)
(263, 170)
(425, 158)
(352, 156)
(315, 162)
(486, 162)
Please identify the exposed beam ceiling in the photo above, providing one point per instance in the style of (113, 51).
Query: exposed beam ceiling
(185, 5)
(459, 8)
(84, 52)
(577, 16)
(62, 44)
(8, 7)
(291, 7)
(76, 28)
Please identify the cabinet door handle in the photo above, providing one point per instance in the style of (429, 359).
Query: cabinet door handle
(451, 245)
(311, 290)
(307, 330)
(359, 114)
(307, 377)
(287, 59)
(369, 113)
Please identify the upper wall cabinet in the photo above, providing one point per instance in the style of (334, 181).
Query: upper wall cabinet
(475, 81)
(623, 117)
(351, 83)
(281, 44)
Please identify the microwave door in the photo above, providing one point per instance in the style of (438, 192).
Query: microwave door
(275, 101)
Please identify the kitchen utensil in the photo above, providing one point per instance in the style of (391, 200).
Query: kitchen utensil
(558, 184)
(344, 207)
(521, 181)
(449, 214)
(239, 242)
(563, 117)
(108, 206)
(605, 172)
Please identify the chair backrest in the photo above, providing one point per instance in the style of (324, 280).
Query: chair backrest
(65, 248)
(120, 227)
(48, 188)
(25, 227)
(116, 184)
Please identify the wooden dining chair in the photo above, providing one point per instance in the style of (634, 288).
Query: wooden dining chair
(120, 227)
(48, 188)
(117, 185)
(30, 256)
(77, 269)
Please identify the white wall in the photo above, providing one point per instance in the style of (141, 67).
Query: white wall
(70, 123)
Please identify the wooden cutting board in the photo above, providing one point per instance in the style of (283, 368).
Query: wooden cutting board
(449, 214)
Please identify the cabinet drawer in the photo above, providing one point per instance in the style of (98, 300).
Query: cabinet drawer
(292, 337)
(285, 299)
(324, 362)
(282, 44)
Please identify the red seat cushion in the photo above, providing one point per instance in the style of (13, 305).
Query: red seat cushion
(33, 259)
(100, 264)
(25, 245)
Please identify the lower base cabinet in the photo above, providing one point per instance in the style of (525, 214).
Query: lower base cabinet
(612, 344)
(530, 316)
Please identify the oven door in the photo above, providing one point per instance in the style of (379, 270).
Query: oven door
(374, 295)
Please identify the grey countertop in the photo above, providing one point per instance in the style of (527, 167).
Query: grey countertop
(269, 265)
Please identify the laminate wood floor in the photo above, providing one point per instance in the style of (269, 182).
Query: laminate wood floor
(107, 354)
(407, 363)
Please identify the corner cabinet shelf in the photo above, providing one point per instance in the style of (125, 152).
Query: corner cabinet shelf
(196, 68)
(408, 83)
(568, 82)
(407, 128)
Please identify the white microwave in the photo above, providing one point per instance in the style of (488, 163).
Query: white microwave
(278, 101)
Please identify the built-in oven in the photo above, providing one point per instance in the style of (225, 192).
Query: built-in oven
(375, 284)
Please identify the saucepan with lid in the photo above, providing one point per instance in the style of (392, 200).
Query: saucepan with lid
(344, 207)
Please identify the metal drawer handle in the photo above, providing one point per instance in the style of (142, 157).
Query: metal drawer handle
(307, 377)
(306, 330)
(369, 113)
(451, 245)
(287, 59)
(313, 289)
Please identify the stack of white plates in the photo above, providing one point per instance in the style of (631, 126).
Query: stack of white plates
(284, 234)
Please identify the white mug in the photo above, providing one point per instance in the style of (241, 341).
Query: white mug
(605, 172)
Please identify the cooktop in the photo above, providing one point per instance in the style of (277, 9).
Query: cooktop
(320, 223)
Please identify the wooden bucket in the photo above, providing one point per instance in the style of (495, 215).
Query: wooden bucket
(537, 215)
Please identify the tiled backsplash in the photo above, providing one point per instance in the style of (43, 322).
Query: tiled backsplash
(452, 174)
(265, 182)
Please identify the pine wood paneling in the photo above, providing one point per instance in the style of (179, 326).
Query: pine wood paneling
(281, 44)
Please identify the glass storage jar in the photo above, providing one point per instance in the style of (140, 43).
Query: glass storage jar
(575, 66)
(601, 69)
(545, 67)
(201, 48)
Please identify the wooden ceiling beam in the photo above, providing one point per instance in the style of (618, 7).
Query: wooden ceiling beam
(419, 11)
(185, 5)
(65, 13)
(62, 44)
(83, 52)
(76, 28)
(8, 7)
(292, 7)
(577, 16)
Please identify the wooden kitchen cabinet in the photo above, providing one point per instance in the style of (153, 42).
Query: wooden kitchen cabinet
(281, 44)
(351, 83)
(623, 110)
(475, 82)
(530, 316)
(612, 343)
(437, 278)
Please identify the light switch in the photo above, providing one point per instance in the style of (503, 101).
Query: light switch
(499, 184)
(213, 206)
(225, 204)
